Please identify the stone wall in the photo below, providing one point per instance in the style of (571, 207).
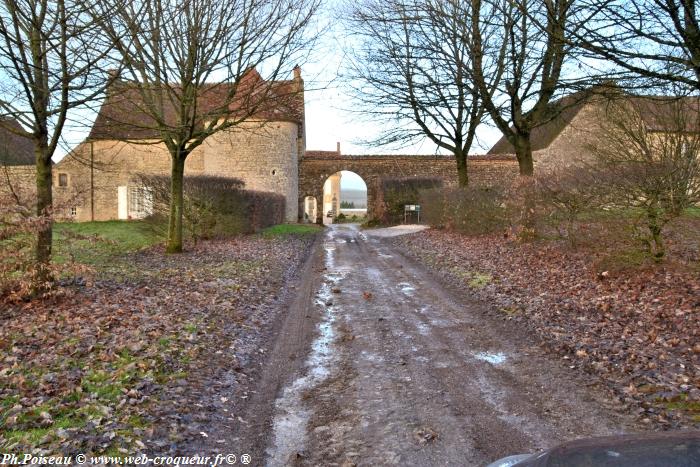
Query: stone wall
(572, 145)
(96, 169)
(484, 171)
(18, 182)
(263, 156)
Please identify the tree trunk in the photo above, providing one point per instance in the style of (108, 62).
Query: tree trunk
(176, 204)
(44, 201)
(462, 169)
(523, 152)
(655, 228)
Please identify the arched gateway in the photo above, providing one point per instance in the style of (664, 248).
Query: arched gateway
(316, 166)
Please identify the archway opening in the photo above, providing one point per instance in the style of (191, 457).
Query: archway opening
(310, 209)
(344, 198)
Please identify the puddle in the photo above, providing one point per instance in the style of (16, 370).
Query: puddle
(440, 323)
(423, 329)
(499, 398)
(333, 277)
(442, 364)
(492, 358)
(291, 415)
(371, 357)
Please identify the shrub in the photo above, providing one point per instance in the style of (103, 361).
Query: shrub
(470, 210)
(394, 193)
(214, 206)
(20, 275)
(655, 172)
(565, 194)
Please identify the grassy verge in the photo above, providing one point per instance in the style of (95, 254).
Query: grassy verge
(291, 229)
(95, 243)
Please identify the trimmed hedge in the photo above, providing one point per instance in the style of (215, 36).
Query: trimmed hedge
(470, 210)
(394, 193)
(214, 206)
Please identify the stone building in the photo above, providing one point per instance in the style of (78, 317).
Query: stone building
(17, 164)
(584, 117)
(16, 147)
(98, 180)
(263, 152)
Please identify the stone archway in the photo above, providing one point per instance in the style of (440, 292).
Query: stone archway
(344, 193)
(315, 169)
(312, 179)
(309, 209)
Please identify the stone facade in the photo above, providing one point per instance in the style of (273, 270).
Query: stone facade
(331, 195)
(263, 151)
(100, 168)
(315, 169)
(262, 154)
(572, 145)
(18, 183)
(265, 155)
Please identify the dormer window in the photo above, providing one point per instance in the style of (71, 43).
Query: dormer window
(62, 179)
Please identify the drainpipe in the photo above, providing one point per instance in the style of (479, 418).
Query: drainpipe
(92, 181)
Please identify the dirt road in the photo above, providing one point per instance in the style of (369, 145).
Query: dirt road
(399, 371)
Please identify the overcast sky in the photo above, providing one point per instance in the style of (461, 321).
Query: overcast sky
(329, 116)
(328, 119)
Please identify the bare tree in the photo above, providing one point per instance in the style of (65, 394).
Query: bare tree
(654, 39)
(528, 45)
(49, 53)
(193, 68)
(649, 152)
(412, 67)
(570, 192)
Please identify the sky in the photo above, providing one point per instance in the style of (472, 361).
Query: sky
(328, 116)
(351, 181)
(328, 119)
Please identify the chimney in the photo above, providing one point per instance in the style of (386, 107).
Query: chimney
(112, 79)
(337, 147)
(297, 73)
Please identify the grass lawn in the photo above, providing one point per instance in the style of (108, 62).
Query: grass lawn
(291, 229)
(96, 243)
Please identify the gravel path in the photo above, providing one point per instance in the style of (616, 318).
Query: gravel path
(402, 372)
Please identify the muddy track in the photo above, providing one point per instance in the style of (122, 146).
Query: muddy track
(378, 364)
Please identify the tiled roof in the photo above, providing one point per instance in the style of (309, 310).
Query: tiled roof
(564, 109)
(123, 115)
(663, 113)
(659, 113)
(16, 146)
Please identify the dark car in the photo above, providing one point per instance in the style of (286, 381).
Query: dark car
(669, 449)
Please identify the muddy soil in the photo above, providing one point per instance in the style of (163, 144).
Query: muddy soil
(378, 364)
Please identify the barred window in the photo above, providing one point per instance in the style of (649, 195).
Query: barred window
(62, 179)
(73, 211)
(140, 201)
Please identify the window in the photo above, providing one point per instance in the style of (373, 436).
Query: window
(73, 211)
(62, 179)
(140, 202)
